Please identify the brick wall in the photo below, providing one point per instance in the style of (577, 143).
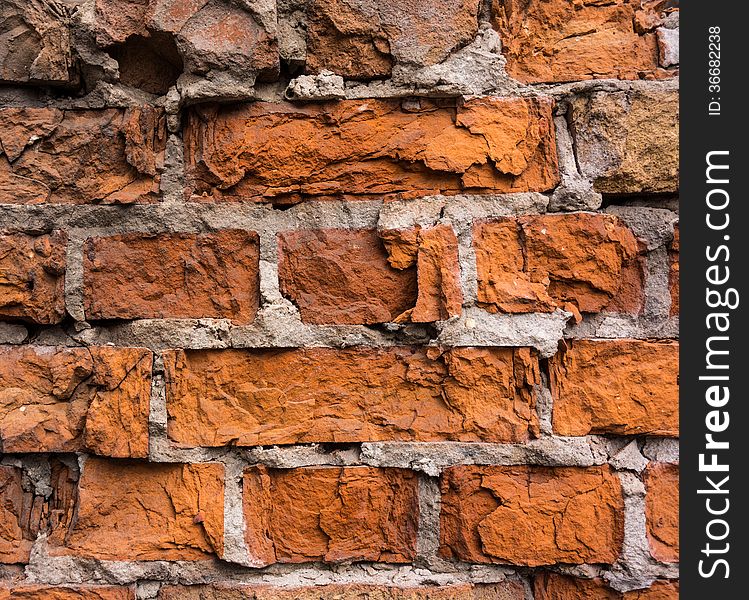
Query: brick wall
(321, 299)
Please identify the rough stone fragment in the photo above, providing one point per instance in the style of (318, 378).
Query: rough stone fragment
(146, 510)
(622, 387)
(673, 276)
(170, 275)
(553, 586)
(112, 156)
(363, 40)
(509, 590)
(72, 592)
(559, 40)
(211, 35)
(286, 153)
(531, 516)
(434, 251)
(331, 514)
(15, 539)
(628, 142)
(75, 399)
(342, 276)
(662, 510)
(287, 396)
(32, 277)
(35, 43)
(668, 46)
(542, 262)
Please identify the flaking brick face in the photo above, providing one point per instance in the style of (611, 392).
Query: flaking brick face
(322, 299)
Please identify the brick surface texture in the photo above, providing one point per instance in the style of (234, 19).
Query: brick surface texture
(335, 300)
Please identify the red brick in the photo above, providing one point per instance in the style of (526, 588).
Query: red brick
(552, 586)
(15, 537)
(508, 590)
(673, 277)
(582, 262)
(531, 516)
(73, 592)
(363, 40)
(262, 397)
(148, 511)
(36, 44)
(343, 276)
(331, 514)
(32, 277)
(622, 387)
(434, 252)
(179, 275)
(662, 510)
(359, 149)
(75, 399)
(559, 40)
(111, 156)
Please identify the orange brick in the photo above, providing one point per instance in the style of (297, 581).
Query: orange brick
(582, 262)
(110, 156)
(287, 153)
(32, 277)
(148, 511)
(662, 510)
(531, 516)
(93, 399)
(331, 514)
(552, 586)
(261, 397)
(73, 592)
(622, 387)
(178, 276)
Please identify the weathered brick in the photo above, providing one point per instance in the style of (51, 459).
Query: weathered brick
(112, 156)
(363, 40)
(357, 276)
(67, 592)
(581, 262)
(552, 586)
(34, 44)
(531, 515)
(331, 514)
(210, 36)
(342, 276)
(673, 276)
(32, 277)
(286, 153)
(662, 510)
(263, 397)
(508, 590)
(434, 252)
(628, 142)
(559, 40)
(15, 538)
(148, 511)
(93, 399)
(172, 275)
(622, 387)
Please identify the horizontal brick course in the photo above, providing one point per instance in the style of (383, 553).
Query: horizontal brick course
(552, 586)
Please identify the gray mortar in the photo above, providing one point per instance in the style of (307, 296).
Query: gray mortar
(432, 457)
(661, 450)
(13, 333)
(654, 226)
(636, 569)
(428, 540)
